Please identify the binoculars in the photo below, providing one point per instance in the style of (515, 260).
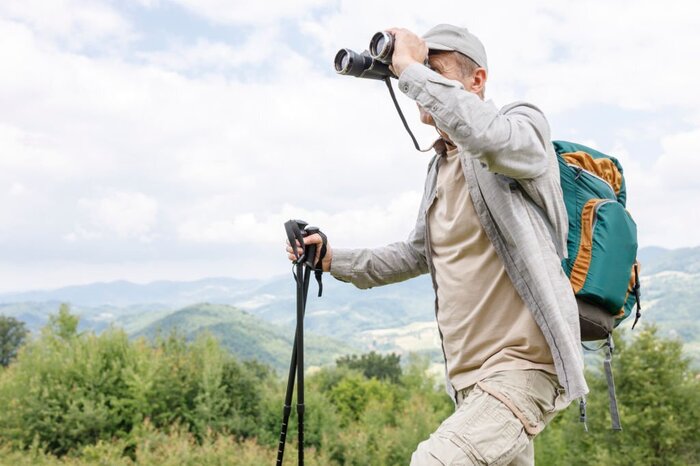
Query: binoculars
(371, 64)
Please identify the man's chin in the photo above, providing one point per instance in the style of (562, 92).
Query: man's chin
(427, 119)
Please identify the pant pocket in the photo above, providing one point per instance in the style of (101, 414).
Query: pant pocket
(493, 435)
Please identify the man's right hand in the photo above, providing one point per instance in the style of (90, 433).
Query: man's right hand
(313, 239)
(408, 49)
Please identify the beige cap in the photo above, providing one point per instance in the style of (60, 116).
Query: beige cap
(452, 38)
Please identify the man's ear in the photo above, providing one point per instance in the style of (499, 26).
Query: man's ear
(478, 81)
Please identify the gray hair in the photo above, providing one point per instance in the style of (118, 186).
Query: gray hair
(466, 65)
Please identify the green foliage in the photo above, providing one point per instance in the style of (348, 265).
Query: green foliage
(90, 399)
(12, 335)
(383, 422)
(354, 393)
(68, 390)
(374, 365)
(75, 398)
(64, 324)
(659, 399)
(156, 447)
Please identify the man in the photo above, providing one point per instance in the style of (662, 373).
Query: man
(491, 229)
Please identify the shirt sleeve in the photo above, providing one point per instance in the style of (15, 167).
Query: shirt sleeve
(369, 267)
(366, 268)
(511, 141)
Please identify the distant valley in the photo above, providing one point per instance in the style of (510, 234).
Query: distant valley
(255, 318)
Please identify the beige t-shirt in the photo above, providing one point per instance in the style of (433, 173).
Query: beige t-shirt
(486, 326)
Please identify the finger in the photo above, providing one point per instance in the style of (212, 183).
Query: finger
(290, 251)
(313, 239)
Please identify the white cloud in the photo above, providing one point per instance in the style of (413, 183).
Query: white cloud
(26, 153)
(242, 12)
(679, 165)
(365, 225)
(17, 189)
(78, 23)
(124, 214)
(207, 144)
(662, 198)
(214, 56)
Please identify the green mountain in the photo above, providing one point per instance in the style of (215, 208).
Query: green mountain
(247, 336)
(123, 294)
(670, 290)
(398, 317)
(671, 299)
(654, 260)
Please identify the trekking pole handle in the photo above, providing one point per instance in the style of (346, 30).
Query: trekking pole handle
(310, 249)
(295, 234)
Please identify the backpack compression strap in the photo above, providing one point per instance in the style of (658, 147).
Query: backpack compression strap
(637, 295)
(607, 364)
(609, 346)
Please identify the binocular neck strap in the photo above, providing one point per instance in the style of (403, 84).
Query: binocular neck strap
(387, 80)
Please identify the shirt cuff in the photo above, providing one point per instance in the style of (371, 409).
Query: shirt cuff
(432, 91)
(341, 264)
(415, 78)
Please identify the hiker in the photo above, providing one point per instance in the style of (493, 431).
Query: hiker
(491, 231)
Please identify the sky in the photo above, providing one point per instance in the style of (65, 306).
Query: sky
(171, 139)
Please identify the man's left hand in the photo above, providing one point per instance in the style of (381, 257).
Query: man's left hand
(408, 49)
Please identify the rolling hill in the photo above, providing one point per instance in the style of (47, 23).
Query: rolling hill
(246, 336)
(397, 317)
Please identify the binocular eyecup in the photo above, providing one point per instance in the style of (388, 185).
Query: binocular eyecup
(381, 47)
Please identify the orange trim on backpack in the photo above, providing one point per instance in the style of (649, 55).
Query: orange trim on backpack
(602, 167)
(579, 271)
(630, 288)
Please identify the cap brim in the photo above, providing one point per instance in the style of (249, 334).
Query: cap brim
(434, 46)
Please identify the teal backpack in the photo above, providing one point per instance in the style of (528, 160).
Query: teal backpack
(602, 249)
(602, 244)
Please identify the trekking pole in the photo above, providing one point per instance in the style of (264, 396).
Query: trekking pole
(290, 384)
(304, 264)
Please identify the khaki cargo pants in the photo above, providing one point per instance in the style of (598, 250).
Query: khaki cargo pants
(495, 421)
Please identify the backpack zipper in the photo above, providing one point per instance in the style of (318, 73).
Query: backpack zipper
(595, 211)
(583, 170)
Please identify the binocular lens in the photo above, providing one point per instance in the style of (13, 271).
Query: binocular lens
(361, 65)
(381, 47)
(343, 61)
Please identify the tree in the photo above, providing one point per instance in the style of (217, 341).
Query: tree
(64, 324)
(374, 365)
(12, 334)
(659, 399)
